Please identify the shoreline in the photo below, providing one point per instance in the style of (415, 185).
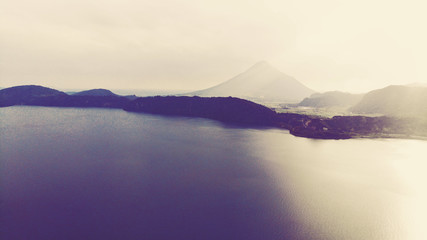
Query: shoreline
(229, 110)
(309, 133)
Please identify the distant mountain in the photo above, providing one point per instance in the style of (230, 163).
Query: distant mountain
(21, 95)
(100, 93)
(331, 99)
(95, 92)
(32, 95)
(399, 101)
(261, 82)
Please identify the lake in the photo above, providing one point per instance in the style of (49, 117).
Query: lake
(69, 173)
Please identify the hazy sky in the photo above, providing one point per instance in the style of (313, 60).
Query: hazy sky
(350, 45)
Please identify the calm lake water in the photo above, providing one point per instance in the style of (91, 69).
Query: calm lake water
(68, 173)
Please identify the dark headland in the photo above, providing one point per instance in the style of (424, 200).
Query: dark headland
(224, 109)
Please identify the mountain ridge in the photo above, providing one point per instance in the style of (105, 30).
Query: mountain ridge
(260, 82)
(95, 92)
(394, 100)
(331, 99)
(19, 95)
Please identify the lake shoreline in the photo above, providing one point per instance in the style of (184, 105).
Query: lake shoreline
(224, 109)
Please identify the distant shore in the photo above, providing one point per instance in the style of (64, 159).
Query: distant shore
(224, 109)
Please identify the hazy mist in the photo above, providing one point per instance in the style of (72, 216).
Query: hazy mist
(353, 46)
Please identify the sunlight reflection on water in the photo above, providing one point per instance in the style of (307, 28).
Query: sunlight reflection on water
(352, 189)
(411, 165)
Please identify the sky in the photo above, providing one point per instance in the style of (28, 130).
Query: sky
(347, 45)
